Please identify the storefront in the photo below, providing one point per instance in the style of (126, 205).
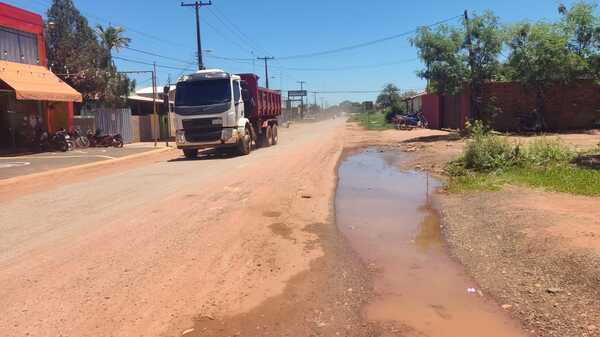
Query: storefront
(32, 99)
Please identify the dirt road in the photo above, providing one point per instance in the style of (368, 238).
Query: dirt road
(156, 249)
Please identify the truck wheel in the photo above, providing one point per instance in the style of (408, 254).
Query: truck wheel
(268, 136)
(190, 154)
(245, 144)
(274, 135)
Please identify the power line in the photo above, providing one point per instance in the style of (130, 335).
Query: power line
(365, 44)
(235, 29)
(266, 59)
(151, 64)
(226, 25)
(381, 65)
(216, 30)
(197, 5)
(139, 32)
(325, 92)
(232, 59)
(156, 55)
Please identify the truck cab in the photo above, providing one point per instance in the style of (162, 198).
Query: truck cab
(215, 109)
(209, 111)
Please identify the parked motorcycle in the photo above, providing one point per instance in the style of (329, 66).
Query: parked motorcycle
(98, 140)
(411, 121)
(79, 138)
(60, 141)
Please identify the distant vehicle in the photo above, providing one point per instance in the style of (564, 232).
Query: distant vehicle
(410, 121)
(215, 109)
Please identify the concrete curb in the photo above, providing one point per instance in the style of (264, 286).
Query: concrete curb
(15, 180)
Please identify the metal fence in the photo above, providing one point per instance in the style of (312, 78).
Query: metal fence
(113, 121)
(84, 123)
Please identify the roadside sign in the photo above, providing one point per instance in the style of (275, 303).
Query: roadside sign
(297, 93)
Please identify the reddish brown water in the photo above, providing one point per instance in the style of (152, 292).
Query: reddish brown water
(387, 216)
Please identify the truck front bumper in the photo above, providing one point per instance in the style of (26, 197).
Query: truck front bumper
(206, 139)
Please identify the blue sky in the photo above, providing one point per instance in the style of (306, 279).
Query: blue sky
(286, 28)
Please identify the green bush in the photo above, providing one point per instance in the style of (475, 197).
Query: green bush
(389, 115)
(486, 152)
(475, 128)
(544, 151)
(393, 111)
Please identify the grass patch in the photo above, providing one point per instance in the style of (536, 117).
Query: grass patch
(490, 161)
(558, 178)
(375, 121)
(474, 182)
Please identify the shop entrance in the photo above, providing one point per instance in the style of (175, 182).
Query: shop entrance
(20, 122)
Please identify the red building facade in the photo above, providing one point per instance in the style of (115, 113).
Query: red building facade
(32, 99)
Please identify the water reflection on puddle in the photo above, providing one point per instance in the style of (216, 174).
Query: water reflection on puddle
(388, 218)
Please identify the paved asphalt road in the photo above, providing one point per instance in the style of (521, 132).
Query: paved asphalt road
(35, 163)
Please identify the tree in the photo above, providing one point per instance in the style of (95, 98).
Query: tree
(390, 95)
(455, 57)
(77, 56)
(73, 49)
(484, 44)
(112, 38)
(117, 85)
(583, 28)
(540, 58)
(446, 62)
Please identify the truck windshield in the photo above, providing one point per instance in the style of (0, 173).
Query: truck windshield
(204, 92)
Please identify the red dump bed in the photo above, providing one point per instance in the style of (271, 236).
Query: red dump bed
(267, 102)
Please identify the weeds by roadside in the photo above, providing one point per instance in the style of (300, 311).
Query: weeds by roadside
(491, 161)
(373, 121)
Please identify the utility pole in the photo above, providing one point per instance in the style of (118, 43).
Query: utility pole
(167, 93)
(266, 59)
(155, 116)
(197, 5)
(302, 101)
(474, 109)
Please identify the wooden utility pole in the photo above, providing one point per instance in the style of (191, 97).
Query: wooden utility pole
(474, 113)
(197, 5)
(155, 112)
(266, 59)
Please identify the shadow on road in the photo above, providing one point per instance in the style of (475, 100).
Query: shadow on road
(451, 137)
(208, 155)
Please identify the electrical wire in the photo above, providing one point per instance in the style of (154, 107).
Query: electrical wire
(372, 66)
(235, 29)
(151, 64)
(155, 55)
(218, 31)
(104, 20)
(364, 44)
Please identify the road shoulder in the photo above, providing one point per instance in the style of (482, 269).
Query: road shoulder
(15, 187)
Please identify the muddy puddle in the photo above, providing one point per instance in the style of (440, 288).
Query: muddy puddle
(420, 291)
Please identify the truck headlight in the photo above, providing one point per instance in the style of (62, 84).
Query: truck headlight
(217, 121)
(180, 137)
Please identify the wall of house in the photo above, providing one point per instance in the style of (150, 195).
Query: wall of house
(574, 106)
(59, 115)
(431, 110)
(568, 107)
(25, 21)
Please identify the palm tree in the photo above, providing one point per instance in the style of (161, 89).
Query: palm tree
(112, 37)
